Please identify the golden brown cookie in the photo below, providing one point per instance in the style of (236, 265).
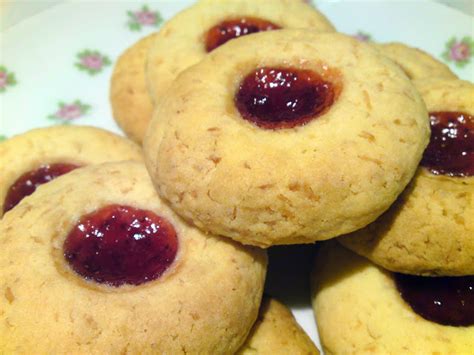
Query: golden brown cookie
(417, 64)
(359, 309)
(94, 262)
(429, 230)
(37, 156)
(131, 103)
(287, 137)
(277, 332)
(186, 39)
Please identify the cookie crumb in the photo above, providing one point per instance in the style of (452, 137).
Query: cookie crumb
(9, 295)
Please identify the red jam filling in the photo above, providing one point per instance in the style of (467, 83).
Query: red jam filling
(451, 148)
(275, 98)
(444, 300)
(119, 245)
(230, 29)
(26, 184)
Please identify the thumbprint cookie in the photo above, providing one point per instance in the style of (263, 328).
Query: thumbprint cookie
(40, 155)
(361, 308)
(287, 137)
(429, 230)
(94, 262)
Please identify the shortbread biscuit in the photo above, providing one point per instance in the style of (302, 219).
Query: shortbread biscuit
(359, 310)
(429, 230)
(68, 287)
(353, 135)
(73, 146)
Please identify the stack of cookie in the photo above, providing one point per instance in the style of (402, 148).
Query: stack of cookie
(416, 294)
(260, 126)
(87, 238)
(115, 269)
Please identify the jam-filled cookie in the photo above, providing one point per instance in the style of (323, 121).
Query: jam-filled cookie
(287, 137)
(430, 229)
(94, 262)
(277, 332)
(416, 64)
(189, 36)
(40, 155)
(131, 103)
(361, 308)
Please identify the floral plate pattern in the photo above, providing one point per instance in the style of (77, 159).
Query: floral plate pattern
(64, 79)
(6, 79)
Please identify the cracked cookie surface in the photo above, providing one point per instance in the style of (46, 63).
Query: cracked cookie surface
(206, 302)
(429, 230)
(315, 181)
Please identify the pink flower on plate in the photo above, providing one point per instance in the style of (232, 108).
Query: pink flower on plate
(143, 17)
(3, 79)
(69, 112)
(459, 51)
(146, 17)
(6, 79)
(92, 61)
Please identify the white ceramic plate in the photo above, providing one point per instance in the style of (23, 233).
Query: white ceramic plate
(55, 68)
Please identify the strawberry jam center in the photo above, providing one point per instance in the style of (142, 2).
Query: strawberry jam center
(276, 98)
(444, 300)
(119, 245)
(26, 184)
(230, 29)
(451, 148)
